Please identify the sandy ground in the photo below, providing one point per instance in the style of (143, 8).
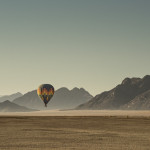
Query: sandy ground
(79, 113)
(74, 133)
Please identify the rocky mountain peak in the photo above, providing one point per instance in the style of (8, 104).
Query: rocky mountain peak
(130, 89)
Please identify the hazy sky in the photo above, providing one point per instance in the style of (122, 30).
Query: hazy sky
(92, 44)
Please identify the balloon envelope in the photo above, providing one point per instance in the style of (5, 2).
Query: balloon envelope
(45, 92)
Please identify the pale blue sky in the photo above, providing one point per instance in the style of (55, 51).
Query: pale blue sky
(92, 44)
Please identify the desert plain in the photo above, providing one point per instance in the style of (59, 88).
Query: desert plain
(73, 129)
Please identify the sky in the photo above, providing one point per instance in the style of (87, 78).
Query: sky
(91, 44)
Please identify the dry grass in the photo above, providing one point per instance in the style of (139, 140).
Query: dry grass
(82, 133)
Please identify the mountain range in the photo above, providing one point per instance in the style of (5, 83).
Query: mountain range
(132, 93)
(8, 106)
(10, 97)
(62, 99)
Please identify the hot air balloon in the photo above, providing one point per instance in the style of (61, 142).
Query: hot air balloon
(45, 92)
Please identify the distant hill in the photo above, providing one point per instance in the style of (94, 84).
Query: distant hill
(8, 106)
(62, 99)
(10, 97)
(132, 93)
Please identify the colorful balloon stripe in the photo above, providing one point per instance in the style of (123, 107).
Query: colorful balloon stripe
(45, 92)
